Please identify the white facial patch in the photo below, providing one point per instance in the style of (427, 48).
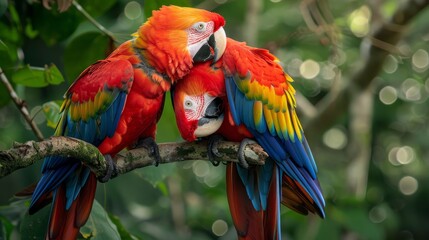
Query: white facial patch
(198, 35)
(193, 106)
(209, 128)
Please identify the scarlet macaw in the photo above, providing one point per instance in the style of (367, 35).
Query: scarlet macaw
(117, 101)
(246, 94)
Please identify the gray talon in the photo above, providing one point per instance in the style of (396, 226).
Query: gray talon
(111, 169)
(212, 151)
(241, 158)
(150, 144)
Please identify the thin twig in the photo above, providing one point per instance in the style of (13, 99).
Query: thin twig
(25, 154)
(20, 104)
(93, 21)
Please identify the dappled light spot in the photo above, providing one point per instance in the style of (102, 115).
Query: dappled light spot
(408, 185)
(401, 155)
(200, 168)
(335, 138)
(275, 1)
(219, 227)
(309, 69)
(293, 67)
(133, 10)
(377, 214)
(214, 177)
(390, 65)
(420, 59)
(392, 156)
(139, 211)
(411, 89)
(405, 155)
(328, 71)
(359, 21)
(388, 95)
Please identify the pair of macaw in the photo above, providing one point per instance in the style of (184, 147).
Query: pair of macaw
(116, 103)
(247, 95)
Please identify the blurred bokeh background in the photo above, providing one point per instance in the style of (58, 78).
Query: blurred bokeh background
(361, 70)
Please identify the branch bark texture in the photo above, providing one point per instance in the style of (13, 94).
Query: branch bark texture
(25, 154)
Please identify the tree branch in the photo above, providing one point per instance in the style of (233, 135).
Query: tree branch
(372, 59)
(20, 104)
(93, 21)
(25, 154)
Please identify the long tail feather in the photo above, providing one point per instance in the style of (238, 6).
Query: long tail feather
(251, 223)
(295, 197)
(247, 221)
(272, 213)
(65, 223)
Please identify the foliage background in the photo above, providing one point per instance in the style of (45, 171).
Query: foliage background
(372, 161)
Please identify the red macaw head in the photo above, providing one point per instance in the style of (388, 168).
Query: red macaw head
(198, 101)
(176, 37)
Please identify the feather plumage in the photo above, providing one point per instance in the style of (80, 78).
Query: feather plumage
(259, 104)
(112, 104)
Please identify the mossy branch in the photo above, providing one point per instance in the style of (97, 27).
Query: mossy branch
(22, 155)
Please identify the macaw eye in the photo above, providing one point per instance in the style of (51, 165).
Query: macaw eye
(200, 26)
(188, 104)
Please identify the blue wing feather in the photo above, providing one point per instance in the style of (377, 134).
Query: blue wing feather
(291, 155)
(94, 130)
(230, 92)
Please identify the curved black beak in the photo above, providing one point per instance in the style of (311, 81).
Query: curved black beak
(213, 49)
(207, 51)
(213, 111)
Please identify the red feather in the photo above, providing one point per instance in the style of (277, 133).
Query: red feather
(248, 222)
(65, 224)
(271, 213)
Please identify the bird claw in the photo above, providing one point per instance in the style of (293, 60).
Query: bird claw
(241, 158)
(150, 144)
(112, 170)
(212, 151)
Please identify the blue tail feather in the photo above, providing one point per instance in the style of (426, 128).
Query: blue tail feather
(265, 173)
(248, 179)
(52, 176)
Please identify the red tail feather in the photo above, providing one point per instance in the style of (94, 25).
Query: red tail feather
(296, 198)
(249, 223)
(64, 224)
(271, 214)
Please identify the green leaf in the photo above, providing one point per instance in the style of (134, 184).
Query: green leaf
(6, 228)
(35, 226)
(96, 8)
(52, 75)
(53, 26)
(125, 235)
(38, 77)
(52, 112)
(155, 175)
(83, 51)
(99, 226)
